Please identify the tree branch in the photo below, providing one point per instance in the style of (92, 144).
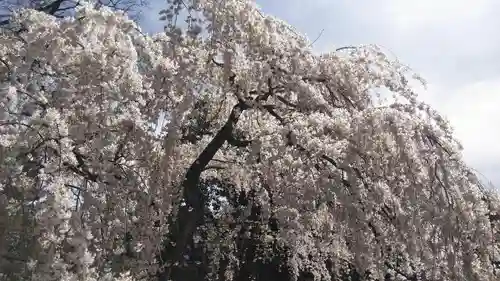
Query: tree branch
(190, 215)
(238, 143)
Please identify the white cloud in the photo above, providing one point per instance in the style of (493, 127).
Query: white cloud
(473, 110)
(410, 14)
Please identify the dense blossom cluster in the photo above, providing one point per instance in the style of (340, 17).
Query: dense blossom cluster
(88, 190)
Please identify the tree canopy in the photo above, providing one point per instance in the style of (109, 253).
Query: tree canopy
(62, 8)
(273, 163)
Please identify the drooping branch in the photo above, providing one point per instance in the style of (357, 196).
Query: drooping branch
(52, 8)
(237, 142)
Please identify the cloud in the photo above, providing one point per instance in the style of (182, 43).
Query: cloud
(474, 112)
(416, 15)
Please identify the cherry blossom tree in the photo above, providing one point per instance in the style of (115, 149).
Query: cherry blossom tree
(62, 8)
(273, 161)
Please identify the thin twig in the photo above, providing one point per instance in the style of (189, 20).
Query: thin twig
(346, 48)
(5, 63)
(319, 36)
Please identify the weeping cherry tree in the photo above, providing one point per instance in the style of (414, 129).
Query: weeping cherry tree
(270, 156)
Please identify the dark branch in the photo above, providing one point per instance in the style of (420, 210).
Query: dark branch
(238, 143)
(190, 215)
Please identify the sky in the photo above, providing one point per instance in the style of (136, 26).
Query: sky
(453, 44)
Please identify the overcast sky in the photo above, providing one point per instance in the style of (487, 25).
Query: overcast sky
(454, 45)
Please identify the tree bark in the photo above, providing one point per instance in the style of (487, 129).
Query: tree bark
(190, 215)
